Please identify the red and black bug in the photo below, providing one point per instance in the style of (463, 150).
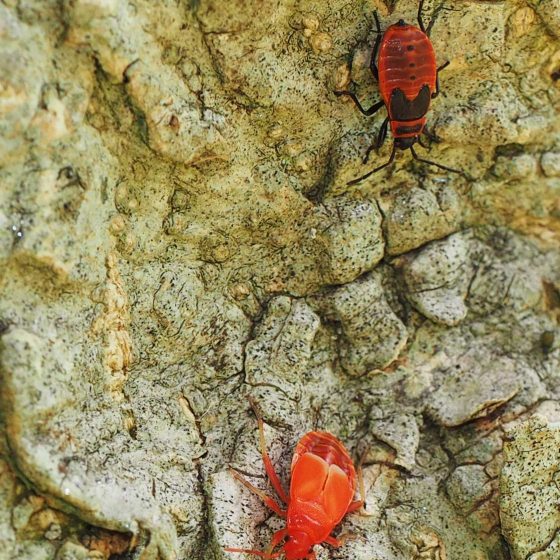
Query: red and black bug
(408, 80)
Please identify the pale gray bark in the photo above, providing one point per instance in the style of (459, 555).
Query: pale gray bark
(177, 234)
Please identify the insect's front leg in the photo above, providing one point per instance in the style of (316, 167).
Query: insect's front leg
(270, 502)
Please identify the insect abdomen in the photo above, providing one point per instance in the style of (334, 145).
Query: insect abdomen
(328, 448)
(406, 62)
(407, 129)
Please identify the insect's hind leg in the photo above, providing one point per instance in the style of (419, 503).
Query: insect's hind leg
(430, 136)
(267, 554)
(372, 64)
(389, 162)
(442, 67)
(266, 459)
(415, 156)
(382, 134)
(420, 22)
(428, 29)
(379, 142)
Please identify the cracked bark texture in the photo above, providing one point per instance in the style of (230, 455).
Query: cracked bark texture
(176, 234)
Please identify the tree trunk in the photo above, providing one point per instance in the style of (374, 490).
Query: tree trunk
(177, 234)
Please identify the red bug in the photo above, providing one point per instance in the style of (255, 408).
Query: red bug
(322, 488)
(408, 80)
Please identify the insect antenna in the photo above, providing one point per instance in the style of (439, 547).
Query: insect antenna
(415, 156)
(389, 162)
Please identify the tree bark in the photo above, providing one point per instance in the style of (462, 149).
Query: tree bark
(177, 234)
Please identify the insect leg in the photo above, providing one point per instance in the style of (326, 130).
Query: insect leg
(278, 537)
(340, 541)
(359, 179)
(333, 541)
(270, 502)
(357, 504)
(415, 156)
(379, 142)
(255, 552)
(360, 503)
(266, 459)
(430, 135)
(368, 152)
(372, 65)
(444, 65)
(428, 29)
(368, 112)
(382, 134)
(420, 22)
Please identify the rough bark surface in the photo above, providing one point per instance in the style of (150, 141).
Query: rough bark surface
(177, 233)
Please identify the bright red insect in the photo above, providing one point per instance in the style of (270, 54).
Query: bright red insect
(322, 488)
(408, 80)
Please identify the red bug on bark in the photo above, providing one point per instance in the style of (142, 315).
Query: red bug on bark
(322, 488)
(408, 80)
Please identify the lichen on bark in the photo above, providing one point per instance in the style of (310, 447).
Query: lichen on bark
(177, 234)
